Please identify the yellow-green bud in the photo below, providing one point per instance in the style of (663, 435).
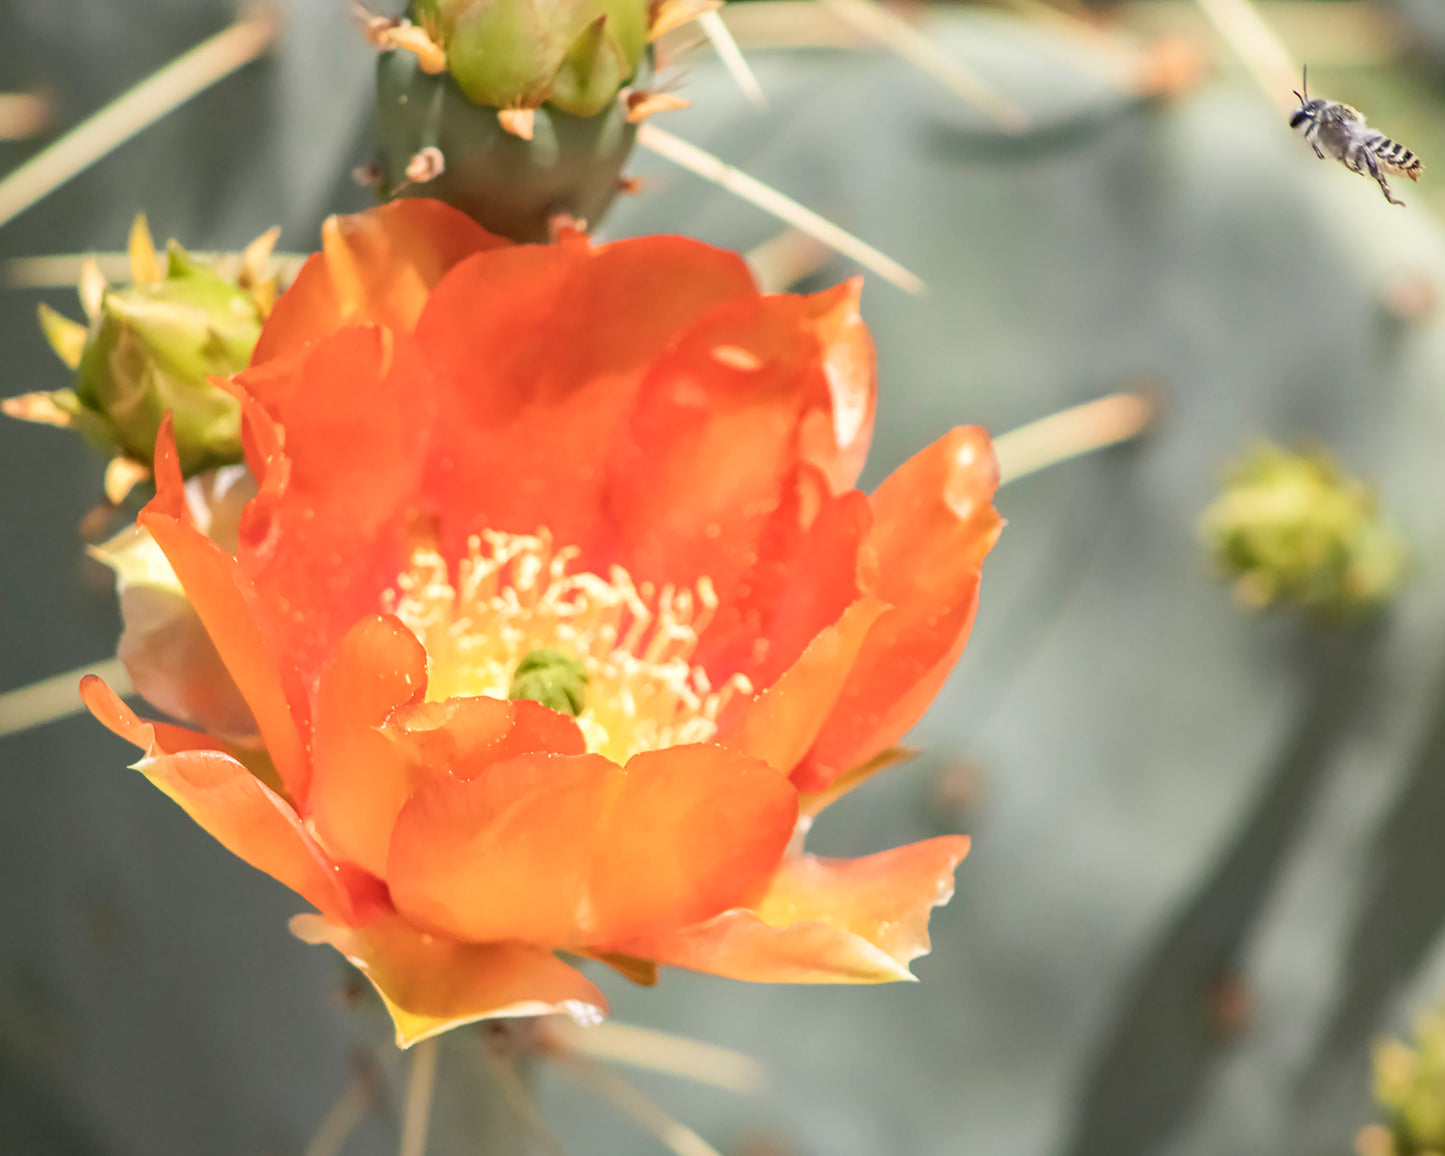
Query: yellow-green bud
(553, 679)
(1293, 528)
(151, 347)
(1409, 1086)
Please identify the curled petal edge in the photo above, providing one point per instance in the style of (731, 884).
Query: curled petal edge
(933, 525)
(850, 366)
(574, 851)
(738, 945)
(825, 920)
(810, 805)
(222, 598)
(431, 985)
(227, 801)
(783, 722)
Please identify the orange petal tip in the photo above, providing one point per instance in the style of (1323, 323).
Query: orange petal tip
(112, 713)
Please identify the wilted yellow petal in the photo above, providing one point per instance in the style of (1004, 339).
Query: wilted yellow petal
(123, 475)
(259, 251)
(92, 286)
(66, 337)
(145, 266)
(36, 407)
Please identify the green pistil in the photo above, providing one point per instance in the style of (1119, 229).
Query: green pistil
(553, 679)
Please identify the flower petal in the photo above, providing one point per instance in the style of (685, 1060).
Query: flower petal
(331, 527)
(462, 737)
(810, 806)
(782, 723)
(578, 852)
(540, 350)
(825, 920)
(837, 440)
(376, 742)
(884, 898)
(503, 855)
(375, 268)
(694, 830)
(430, 985)
(166, 651)
(738, 945)
(359, 779)
(933, 525)
(225, 604)
(227, 800)
(713, 445)
(812, 564)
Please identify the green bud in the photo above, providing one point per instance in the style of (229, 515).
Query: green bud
(553, 679)
(524, 53)
(151, 348)
(513, 187)
(1292, 528)
(1409, 1086)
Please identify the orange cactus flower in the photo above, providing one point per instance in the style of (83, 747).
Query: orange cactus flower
(617, 466)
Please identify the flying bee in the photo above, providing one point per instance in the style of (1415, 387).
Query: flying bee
(1337, 130)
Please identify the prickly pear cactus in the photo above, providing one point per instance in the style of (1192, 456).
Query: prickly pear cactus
(151, 347)
(517, 112)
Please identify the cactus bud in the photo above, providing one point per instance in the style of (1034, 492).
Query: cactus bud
(151, 348)
(523, 53)
(1293, 528)
(1409, 1085)
(518, 107)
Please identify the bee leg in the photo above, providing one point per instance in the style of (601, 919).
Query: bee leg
(1379, 175)
(1319, 152)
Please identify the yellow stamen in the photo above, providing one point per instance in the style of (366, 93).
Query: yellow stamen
(516, 593)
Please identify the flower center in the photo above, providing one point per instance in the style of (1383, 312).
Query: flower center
(553, 679)
(515, 594)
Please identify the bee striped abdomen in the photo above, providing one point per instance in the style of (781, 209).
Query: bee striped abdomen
(1397, 158)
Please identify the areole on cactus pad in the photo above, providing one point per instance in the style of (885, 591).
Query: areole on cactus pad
(571, 167)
